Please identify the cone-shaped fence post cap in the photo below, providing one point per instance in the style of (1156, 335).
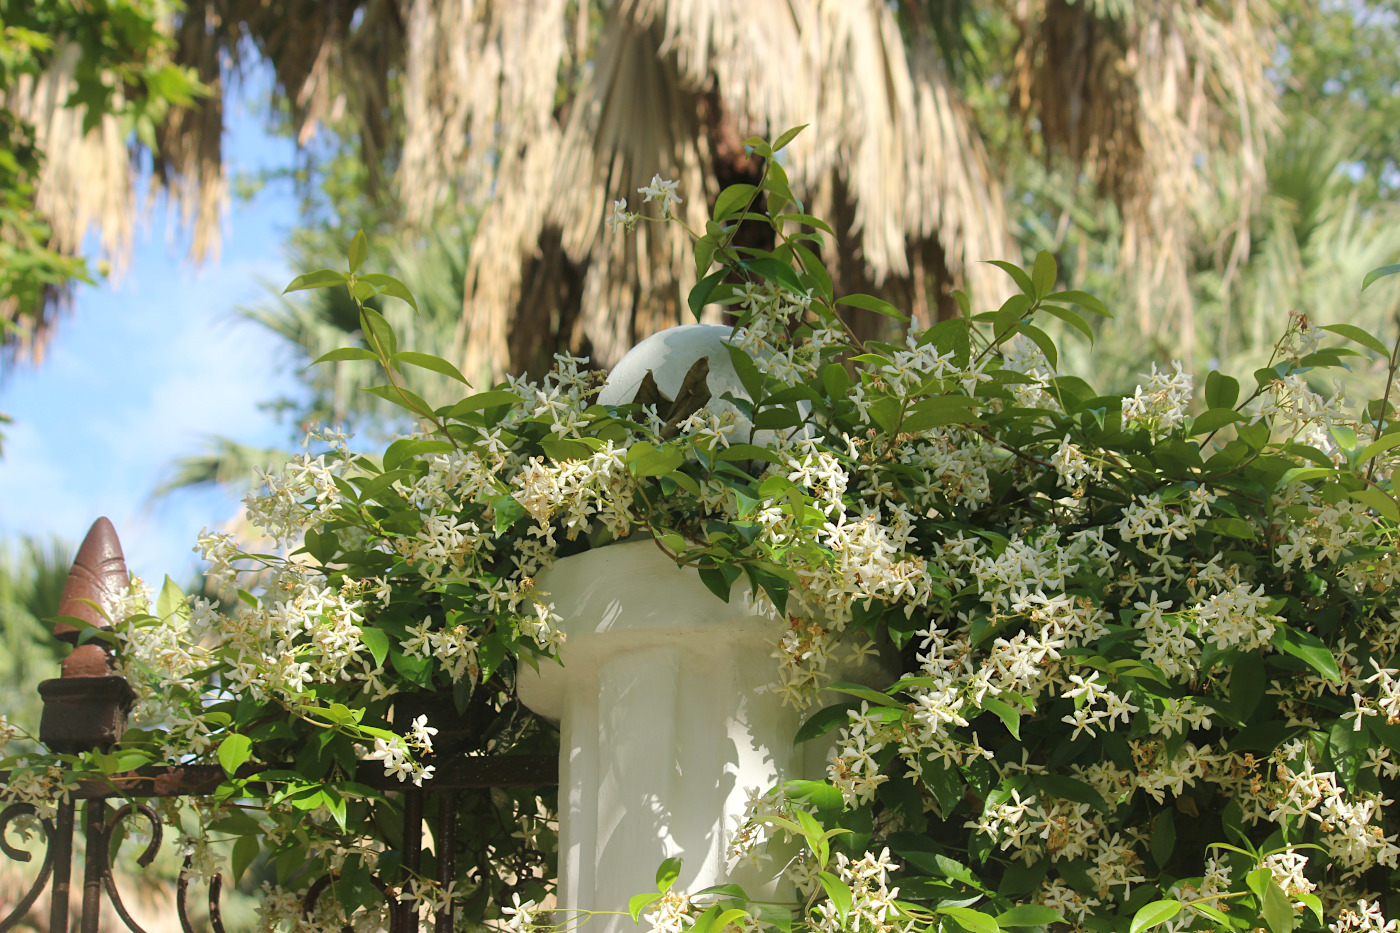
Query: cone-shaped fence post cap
(99, 575)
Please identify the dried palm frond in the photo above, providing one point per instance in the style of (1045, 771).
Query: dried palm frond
(674, 85)
(1161, 102)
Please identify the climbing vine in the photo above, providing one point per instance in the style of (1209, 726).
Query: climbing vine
(1148, 643)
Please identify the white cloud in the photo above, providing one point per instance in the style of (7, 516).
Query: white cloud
(140, 376)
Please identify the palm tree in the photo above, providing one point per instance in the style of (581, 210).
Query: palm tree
(32, 575)
(542, 111)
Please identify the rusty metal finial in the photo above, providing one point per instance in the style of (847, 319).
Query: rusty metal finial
(99, 576)
(86, 706)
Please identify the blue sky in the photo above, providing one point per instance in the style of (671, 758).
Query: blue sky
(140, 372)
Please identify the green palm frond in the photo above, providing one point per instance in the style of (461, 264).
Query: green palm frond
(32, 576)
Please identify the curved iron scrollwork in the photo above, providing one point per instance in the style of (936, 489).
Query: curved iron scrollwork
(100, 854)
(323, 883)
(182, 889)
(8, 816)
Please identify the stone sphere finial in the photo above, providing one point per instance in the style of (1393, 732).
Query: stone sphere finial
(669, 358)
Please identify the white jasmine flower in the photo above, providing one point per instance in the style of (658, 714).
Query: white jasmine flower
(661, 190)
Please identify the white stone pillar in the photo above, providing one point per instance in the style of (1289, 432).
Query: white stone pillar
(664, 723)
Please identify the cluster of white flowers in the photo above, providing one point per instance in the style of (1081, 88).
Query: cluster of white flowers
(1366, 917)
(1162, 402)
(873, 908)
(673, 913)
(1297, 412)
(301, 494)
(660, 189)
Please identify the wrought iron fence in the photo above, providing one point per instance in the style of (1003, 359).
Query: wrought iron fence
(86, 708)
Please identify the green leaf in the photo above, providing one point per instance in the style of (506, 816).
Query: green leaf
(719, 579)
(1247, 684)
(377, 641)
(1006, 713)
(1214, 419)
(974, 921)
(1042, 340)
(1378, 500)
(508, 512)
(667, 873)
(745, 369)
(773, 270)
(1154, 913)
(1222, 391)
(805, 219)
(559, 451)
(786, 137)
(1277, 910)
(1018, 275)
(1008, 317)
(733, 200)
(640, 902)
(837, 891)
(401, 397)
(1163, 837)
(427, 361)
(871, 303)
(705, 254)
(345, 354)
(700, 295)
(1357, 335)
(824, 720)
(234, 750)
(706, 921)
(359, 249)
(865, 693)
(1309, 648)
(818, 793)
(388, 285)
(482, 400)
(1231, 527)
(1380, 273)
(747, 452)
(1044, 273)
(1028, 915)
(643, 459)
(1085, 300)
(172, 602)
(813, 266)
(245, 852)
(406, 448)
(321, 278)
(1378, 447)
(938, 411)
(378, 333)
(1070, 318)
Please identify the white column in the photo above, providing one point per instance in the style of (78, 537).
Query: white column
(664, 724)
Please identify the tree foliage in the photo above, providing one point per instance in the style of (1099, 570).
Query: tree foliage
(79, 81)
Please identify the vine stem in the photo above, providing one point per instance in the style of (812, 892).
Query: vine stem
(439, 427)
(1385, 403)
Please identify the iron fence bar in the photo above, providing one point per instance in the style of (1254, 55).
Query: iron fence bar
(406, 910)
(94, 863)
(445, 845)
(62, 845)
(194, 780)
